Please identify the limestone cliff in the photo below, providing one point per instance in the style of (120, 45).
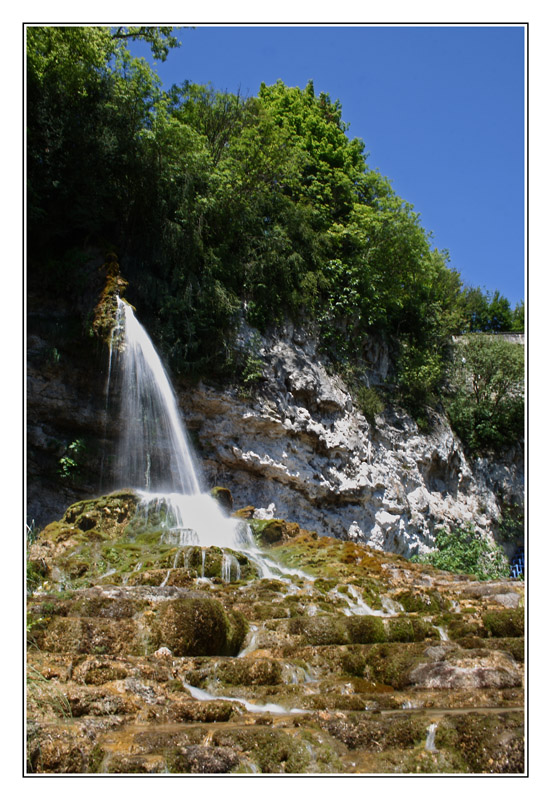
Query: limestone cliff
(301, 449)
(294, 446)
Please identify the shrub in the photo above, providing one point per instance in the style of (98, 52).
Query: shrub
(369, 403)
(465, 550)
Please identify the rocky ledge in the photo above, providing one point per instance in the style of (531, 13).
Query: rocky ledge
(146, 657)
(300, 447)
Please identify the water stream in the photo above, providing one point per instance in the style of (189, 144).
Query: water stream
(254, 708)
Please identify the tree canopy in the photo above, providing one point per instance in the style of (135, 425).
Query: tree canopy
(217, 203)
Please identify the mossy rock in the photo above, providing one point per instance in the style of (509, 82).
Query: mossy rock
(245, 513)
(224, 497)
(409, 629)
(507, 623)
(202, 759)
(392, 662)
(198, 627)
(272, 531)
(487, 743)
(105, 312)
(272, 751)
(459, 627)
(250, 672)
(354, 662)
(513, 646)
(113, 509)
(91, 636)
(429, 601)
(365, 630)
(374, 733)
(320, 630)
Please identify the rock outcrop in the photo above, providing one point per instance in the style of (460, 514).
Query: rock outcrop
(301, 449)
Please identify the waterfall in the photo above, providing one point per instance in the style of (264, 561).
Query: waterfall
(154, 453)
(154, 456)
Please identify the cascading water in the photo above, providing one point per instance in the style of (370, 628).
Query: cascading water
(154, 456)
(154, 453)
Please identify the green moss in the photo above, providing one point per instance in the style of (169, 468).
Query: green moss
(277, 752)
(354, 662)
(250, 672)
(461, 627)
(320, 630)
(391, 663)
(487, 743)
(325, 584)
(424, 602)
(509, 622)
(513, 646)
(365, 630)
(268, 532)
(198, 626)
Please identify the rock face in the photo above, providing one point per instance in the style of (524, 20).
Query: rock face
(301, 449)
(146, 657)
(294, 444)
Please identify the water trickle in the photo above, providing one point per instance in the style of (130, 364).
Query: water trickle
(254, 708)
(251, 645)
(442, 633)
(229, 563)
(226, 568)
(431, 733)
(358, 607)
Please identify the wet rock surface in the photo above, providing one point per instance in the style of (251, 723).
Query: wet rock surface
(145, 657)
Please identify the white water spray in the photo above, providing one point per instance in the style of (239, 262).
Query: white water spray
(154, 453)
(155, 458)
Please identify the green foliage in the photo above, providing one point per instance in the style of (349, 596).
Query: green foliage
(69, 463)
(485, 395)
(369, 402)
(252, 371)
(517, 325)
(485, 312)
(511, 524)
(215, 202)
(464, 550)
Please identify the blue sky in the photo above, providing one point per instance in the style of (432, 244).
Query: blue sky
(440, 110)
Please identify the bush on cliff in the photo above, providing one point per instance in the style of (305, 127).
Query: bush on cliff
(464, 550)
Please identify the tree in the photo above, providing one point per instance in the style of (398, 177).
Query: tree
(483, 311)
(89, 103)
(499, 311)
(518, 318)
(485, 395)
